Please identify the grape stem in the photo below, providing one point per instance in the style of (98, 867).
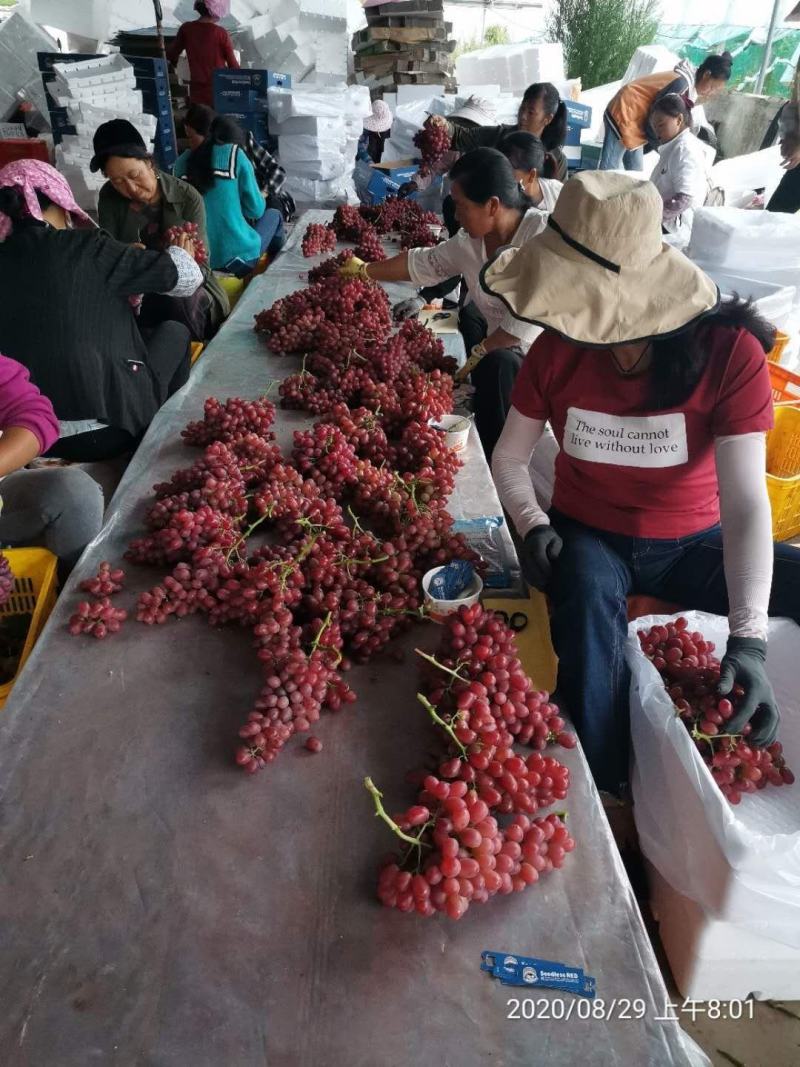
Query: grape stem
(441, 666)
(380, 811)
(448, 729)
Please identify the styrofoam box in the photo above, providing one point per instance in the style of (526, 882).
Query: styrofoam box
(740, 863)
(714, 960)
(774, 302)
(310, 126)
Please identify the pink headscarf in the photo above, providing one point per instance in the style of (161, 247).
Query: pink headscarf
(30, 175)
(217, 9)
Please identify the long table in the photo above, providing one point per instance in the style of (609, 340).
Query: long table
(157, 906)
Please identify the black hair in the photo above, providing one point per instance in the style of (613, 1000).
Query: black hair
(716, 66)
(199, 117)
(673, 105)
(555, 132)
(679, 361)
(523, 151)
(200, 165)
(202, 10)
(484, 173)
(13, 205)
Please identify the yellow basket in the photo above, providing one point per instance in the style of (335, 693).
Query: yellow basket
(34, 594)
(783, 473)
(197, 351)
(234, 287)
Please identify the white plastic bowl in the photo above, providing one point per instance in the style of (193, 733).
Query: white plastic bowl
(440, 608)
(454, 438)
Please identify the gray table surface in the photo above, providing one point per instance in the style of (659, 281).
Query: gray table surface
(159, 907)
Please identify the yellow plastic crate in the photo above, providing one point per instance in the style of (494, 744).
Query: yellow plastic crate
(781, 341)
(197, 351)
(783, 473)
(34, 571)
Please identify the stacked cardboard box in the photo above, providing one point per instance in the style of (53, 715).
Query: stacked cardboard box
(405, 43)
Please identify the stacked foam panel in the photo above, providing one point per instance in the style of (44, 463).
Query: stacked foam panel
(512, 66)
(86, 94)
(318, 130)
(405, 43)
(304, 38)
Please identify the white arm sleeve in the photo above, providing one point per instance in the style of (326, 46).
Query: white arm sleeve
(746, 531)
(524, 331)
(428, 266)
(190, 277)
(510, 462)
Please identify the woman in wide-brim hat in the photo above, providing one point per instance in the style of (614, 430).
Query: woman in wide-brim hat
(659, 398)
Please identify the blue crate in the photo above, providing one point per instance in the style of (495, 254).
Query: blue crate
(238, 101)
(255, 122)
(573, 138)
(579, 115)
(385, 183)
(47, 59)
(148, 67)
(255, 81)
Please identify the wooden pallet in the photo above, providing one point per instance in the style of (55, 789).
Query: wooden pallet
(401, 34)
(405, 8)
(434, 50)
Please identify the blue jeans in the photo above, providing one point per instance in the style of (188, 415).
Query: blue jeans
(614, 154)
(594, 575)
(270, 229)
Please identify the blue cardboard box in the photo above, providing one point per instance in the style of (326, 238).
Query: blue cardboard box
(578, 115)
(388, 178)
(245, 90)
(254, 121)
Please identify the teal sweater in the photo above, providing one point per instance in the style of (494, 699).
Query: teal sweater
(230, 202)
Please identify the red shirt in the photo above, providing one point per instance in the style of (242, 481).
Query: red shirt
(624, 467)
(208, 48)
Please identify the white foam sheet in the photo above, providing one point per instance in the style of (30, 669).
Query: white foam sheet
(741, 863)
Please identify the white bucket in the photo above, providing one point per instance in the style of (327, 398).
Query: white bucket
(440, 608)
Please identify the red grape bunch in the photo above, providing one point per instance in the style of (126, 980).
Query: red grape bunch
(369, 247)
(6, 580)
(318, 238)
(433, 142)
(192, 230)
(691, 674)
(106, 582)
(97, 618)
(230, 420)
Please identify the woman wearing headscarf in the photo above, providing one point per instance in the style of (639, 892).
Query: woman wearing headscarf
(208, 48)
(659, 398)
(139, 204)
(66, 314)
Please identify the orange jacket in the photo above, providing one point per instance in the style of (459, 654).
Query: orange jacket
(629, 110)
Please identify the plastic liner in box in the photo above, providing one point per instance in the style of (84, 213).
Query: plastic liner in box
(742, 864)
(154, 899)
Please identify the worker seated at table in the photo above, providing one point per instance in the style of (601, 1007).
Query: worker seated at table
(217, 166)
(681, 174)
(67, 316)
(493, 212)
(59, 508)
(659, 398)
(139, 204)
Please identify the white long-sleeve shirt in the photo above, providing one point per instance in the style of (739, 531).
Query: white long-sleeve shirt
(467, 256)
(681, 177)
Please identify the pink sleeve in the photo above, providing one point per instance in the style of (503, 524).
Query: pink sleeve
(21, 404)
(528, 396)
(744, 401)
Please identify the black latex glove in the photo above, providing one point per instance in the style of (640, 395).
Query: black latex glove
(540, 549)
(406, 189)
(743, 664)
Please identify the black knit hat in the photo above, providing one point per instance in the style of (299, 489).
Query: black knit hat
(117, 138)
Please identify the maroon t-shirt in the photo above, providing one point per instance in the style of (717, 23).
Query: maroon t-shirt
(624, 467)
(208, 48)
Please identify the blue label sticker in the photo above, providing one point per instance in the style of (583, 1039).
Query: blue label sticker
(533, 972)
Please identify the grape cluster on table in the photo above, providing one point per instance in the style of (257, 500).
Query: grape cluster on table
(691, 672)
(457, 852)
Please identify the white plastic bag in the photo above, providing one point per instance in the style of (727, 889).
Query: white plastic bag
(742, 863)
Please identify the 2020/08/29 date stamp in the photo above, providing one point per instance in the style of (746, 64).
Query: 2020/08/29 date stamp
(560, 1009)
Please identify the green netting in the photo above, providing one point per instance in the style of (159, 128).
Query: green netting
(695, 42)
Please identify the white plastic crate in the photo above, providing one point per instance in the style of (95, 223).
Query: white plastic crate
(715, 960)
